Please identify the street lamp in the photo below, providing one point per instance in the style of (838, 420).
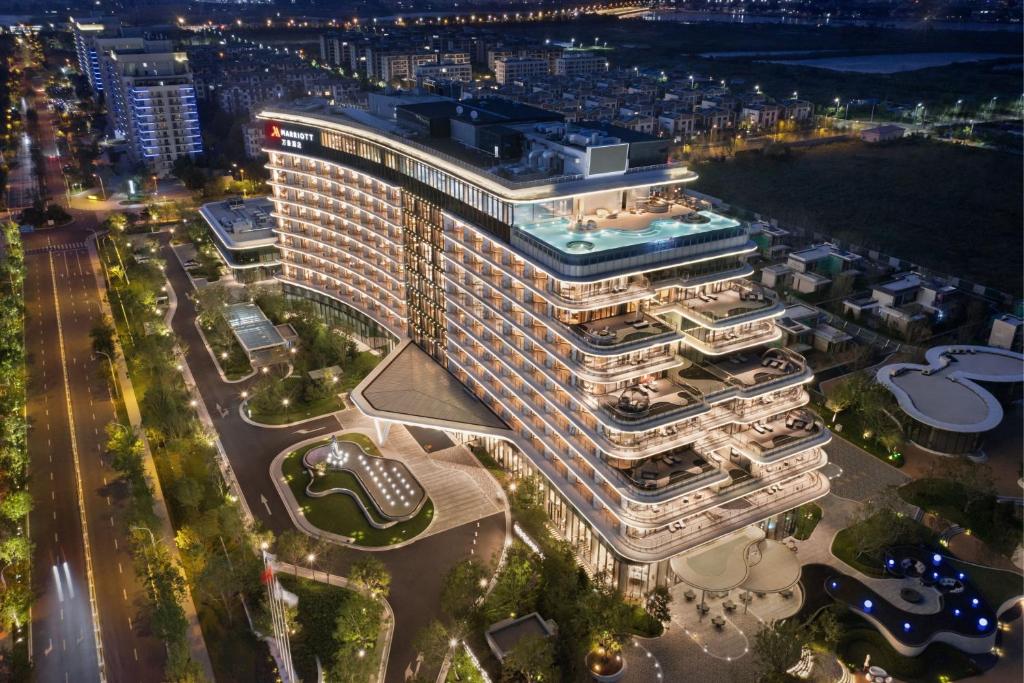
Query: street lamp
(309, 562)
(103, 190)
(113, 377)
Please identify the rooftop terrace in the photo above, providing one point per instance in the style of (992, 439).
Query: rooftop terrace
(945, 393)
(241, 223)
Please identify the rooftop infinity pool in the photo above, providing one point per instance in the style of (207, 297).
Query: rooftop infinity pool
(635, 229)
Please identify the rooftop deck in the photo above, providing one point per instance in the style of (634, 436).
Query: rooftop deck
(606, 230)
(945, 393)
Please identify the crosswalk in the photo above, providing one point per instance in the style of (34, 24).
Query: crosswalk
(56, 248)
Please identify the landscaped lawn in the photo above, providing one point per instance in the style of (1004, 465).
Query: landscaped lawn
(807, 517)
(339, 513)
(296, 409)
(994, 523)
(896, 197)
(861, 639)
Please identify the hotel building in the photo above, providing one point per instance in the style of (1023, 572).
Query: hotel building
(559, 273)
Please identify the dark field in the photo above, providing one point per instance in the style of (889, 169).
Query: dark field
(950, 208)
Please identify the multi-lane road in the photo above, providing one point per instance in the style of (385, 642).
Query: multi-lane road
(86, 623)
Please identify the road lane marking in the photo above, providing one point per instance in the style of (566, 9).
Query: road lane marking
(93, 608)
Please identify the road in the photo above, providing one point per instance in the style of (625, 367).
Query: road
(83, 574)
(416, 570)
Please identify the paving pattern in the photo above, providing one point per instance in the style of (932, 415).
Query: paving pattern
(863, 475)
(462, 491)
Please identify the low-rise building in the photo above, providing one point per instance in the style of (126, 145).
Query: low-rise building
(811, 270)
(905, 300)
(509, 69)
(884, 133)
(243, 231)
(579, 63)
(1007, 332)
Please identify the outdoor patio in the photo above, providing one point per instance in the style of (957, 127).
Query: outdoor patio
(621, 329)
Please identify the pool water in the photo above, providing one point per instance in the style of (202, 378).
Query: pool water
(556, 232)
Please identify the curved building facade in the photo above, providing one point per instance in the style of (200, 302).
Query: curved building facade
(564, 280)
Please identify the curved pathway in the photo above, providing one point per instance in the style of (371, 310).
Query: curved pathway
(416, 569)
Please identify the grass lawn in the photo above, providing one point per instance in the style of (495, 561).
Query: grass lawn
(236, 653)
(853, 430)
(296, 410)
(994, 523)
(861, 192)
(339, 513)
(319, 607)
(861, 639)
(807, 517)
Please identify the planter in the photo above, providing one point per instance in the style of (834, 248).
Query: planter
(606, 668)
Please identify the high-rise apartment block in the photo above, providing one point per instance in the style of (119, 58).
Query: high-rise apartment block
(560, 274)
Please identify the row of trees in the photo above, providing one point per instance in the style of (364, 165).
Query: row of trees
(15, 500)
(217, 551)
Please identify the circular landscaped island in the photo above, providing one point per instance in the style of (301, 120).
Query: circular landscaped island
(345, 486)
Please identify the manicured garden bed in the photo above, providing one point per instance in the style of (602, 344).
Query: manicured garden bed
(297, 408)
(339, 513)
(993, 522)
(317, 615)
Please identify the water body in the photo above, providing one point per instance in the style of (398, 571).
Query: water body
(727, 18)
(892, 63)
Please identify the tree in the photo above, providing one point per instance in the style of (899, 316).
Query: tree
(371, 574)
(777, 647)
(16, 505)
(828, 629)
(293, 547)
(102, 335)
(527, 502)
(356, 633)
(657, 604)
(461, 589)
(432, 642)
(532, 659)
(15, 549)
(116, 221)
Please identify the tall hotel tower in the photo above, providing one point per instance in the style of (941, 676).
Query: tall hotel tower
(559, 273)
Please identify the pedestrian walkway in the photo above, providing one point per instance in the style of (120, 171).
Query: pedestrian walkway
(57, 248)
(461, 489)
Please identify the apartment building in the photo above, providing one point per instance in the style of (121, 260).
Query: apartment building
(509, 69)
(611, 331)
(153, 102)
(85, 31)
(580, 63)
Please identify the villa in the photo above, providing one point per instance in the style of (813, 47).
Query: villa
(584, 322)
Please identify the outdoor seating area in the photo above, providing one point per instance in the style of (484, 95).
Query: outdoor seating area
(621, 329)
(743, 369)
(674, 467)
(650, 398)
(737, 299)
(767, 435)
(963, 616)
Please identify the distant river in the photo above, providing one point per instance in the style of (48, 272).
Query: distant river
(722, 17)
(893, 63)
